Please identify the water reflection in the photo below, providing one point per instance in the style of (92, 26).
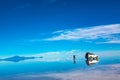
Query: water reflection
(91, 62)
(90, 58)
(60, 70)
(18, 58)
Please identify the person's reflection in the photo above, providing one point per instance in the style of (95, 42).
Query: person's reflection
(74, 59)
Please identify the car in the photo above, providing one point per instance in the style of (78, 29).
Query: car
(91, 56)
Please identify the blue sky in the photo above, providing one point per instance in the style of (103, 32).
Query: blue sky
(38, 26)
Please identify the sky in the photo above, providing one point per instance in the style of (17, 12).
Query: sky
(40, 26)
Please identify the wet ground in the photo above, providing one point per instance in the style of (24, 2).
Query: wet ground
(107, 68)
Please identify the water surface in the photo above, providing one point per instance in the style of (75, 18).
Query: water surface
(108, 68)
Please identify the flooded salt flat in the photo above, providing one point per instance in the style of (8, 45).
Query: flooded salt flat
(107, 68)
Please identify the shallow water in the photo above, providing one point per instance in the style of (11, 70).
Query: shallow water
(108, 68)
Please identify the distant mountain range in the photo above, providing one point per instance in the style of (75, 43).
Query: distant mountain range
(18, 58)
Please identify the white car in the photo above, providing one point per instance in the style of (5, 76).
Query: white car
(91, 56)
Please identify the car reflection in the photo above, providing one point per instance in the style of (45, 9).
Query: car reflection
(91, 58)
(91, 62)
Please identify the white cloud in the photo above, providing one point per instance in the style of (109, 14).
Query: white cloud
(91, 33)
(111, 41)
(60, 56)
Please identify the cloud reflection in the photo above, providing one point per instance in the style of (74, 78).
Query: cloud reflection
(103, 72)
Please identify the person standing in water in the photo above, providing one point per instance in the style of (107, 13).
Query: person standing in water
(74, 59)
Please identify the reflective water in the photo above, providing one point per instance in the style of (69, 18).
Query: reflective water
(108, 68)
